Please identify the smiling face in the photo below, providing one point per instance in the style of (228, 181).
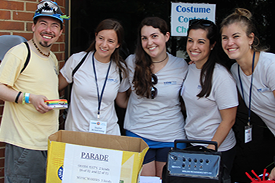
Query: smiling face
(46, 31)
(198, 46)
(235, 42)
(106, 43)
(154, 42)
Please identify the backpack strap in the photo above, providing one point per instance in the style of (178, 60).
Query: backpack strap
(79, 64)
(65, 111)
(28, 57)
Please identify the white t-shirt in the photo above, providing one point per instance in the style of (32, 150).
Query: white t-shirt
(203, 114)
(262, 100)
(159, 119)
(84, 99)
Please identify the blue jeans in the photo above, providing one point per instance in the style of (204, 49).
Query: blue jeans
(24, 165)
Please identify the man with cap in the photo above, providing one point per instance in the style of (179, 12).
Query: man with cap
(27, 121)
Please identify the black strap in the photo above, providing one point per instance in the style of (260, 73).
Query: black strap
(28, 57)
(65, 111)
(78, 65)
(81, 62)
(120, 76)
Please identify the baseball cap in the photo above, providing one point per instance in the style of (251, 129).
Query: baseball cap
(51, 9)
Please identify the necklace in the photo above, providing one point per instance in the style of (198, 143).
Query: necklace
(46, 55)
(161, 60)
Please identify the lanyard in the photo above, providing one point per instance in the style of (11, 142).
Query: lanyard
(101, 95)
(250, 92)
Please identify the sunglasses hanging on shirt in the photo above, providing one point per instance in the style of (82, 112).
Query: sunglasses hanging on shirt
(154, 90)
(203, 22)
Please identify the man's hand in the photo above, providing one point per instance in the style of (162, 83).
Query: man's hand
(38, 101)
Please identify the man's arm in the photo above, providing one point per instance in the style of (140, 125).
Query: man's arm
(9, 95)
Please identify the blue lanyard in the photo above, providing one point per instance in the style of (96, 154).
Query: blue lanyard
(101, 95)
(250, 92)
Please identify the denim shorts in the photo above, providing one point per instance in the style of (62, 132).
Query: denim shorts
(24, 165)
(158, 151)
(156, 154)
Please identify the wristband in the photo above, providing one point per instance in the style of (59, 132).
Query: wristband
(23, 100)
(17, 97)
(27, 97)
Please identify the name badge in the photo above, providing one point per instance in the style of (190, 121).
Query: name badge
(263, 90)
(170, 83)
(248, 134)
(98, 126)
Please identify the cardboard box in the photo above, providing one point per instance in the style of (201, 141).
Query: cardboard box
(90, 157)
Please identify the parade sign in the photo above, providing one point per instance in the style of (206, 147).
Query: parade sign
(104, 165)
(84, 157)
(181, 13)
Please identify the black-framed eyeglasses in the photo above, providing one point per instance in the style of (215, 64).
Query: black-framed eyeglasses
(154, 90)
(203, 22)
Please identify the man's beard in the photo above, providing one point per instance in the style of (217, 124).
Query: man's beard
(45, 44)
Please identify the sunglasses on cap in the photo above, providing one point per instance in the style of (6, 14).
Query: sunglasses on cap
(154, 90)
(203, 22)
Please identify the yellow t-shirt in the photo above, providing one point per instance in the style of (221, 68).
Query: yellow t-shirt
(21, 124)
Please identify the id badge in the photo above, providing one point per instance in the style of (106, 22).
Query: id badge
(248, 134)
(98, 126)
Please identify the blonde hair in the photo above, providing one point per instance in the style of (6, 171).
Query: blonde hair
(244, 17)
(243, 12)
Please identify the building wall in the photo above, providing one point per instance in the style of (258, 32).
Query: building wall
(16, 19)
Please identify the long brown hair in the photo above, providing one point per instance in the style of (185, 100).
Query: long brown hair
(142, 78)
(207, 70)
(111, 24)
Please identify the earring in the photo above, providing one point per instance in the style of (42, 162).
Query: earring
(250, 47)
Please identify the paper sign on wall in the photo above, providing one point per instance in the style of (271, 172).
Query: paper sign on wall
(181, 13)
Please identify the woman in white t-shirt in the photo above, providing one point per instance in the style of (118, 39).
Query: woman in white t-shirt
(254, 70)
(97, 82)
(153, 111)
(209, 92)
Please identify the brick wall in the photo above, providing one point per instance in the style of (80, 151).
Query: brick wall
(16, 19)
